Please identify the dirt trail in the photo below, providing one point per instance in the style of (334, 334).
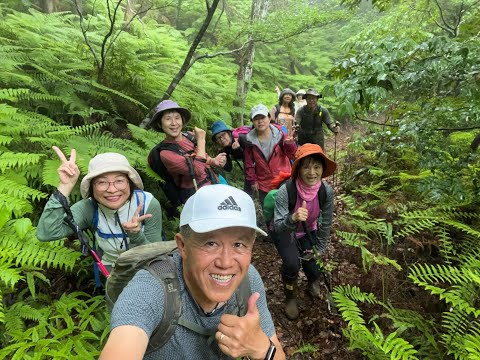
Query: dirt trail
(315, 325)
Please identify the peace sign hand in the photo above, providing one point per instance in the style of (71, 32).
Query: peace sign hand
(135, 224)
(68, 171)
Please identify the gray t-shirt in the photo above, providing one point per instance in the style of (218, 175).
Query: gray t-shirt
(141, 304)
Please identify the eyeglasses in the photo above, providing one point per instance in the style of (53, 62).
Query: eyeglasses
(220, 136)
(103, 185)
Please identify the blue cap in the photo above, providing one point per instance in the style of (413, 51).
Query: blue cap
(217, 127)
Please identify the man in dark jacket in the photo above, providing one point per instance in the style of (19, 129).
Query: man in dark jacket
(310, 118)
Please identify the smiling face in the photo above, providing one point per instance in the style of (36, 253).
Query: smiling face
(287, 98)
(311, 101)
(311, 170)
(171, 123)
(111, 189)
(223, 139)
(261, 123)
(215, 263)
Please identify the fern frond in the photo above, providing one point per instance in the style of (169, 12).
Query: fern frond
(147, 138)
(9, 275)
(5, 140)
(13, 204)
(118, 93)
(463, 227)
(416, 227)
(433, 273)
(14, 189)
(398, 348)
(13, 94)
(9, 160)
(352, 239)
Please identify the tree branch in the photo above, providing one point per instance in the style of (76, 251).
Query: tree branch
(458, 129)
(220, 53)
(85, 37)
(126, 26)
(374, 122)
(104, 49)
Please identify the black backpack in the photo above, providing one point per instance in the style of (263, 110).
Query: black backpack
(175, 194)
(157, 259)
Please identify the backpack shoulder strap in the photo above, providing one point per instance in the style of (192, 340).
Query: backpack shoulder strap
(322, 195)
(292, 194)
(95, 216)
(164, 270)
(242, 295)
(190, 137)
(139, 201)
(320, 110)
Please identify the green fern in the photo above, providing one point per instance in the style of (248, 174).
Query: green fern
(374, 344)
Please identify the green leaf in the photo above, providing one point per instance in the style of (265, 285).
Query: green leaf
(31, 283)
(22, 227)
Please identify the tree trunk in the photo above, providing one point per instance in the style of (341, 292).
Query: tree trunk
(129, 14)
(189, 59)
(178, 9)
(48, 6)
(244, 75)
(245, 68)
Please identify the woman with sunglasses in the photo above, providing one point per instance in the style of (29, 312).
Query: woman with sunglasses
(114, 205)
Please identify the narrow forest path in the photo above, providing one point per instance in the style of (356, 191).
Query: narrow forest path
(315, 325)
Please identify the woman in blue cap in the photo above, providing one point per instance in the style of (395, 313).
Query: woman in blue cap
(232, 147)
(222, 135)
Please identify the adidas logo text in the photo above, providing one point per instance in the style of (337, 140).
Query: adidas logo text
(229, 204)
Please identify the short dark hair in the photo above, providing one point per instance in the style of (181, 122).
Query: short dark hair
(313, 158)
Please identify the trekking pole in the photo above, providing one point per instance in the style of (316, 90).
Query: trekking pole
(332, 309)
(192, 172)
(84, 243)
(335, 150)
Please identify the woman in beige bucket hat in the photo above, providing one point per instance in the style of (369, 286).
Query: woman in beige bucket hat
(114, 205)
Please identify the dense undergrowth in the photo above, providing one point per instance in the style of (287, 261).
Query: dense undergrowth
(412, 189)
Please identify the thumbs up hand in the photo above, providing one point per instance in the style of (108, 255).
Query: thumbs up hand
(240, 336)
(301, 214)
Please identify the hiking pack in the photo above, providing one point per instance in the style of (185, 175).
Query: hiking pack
(269, 202)
(175, 194)
(278, 112)
(157, 259)
(240, 133)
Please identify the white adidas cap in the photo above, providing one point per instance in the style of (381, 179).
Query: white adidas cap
(219, 206)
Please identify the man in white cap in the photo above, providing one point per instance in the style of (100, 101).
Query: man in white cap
(217, 233)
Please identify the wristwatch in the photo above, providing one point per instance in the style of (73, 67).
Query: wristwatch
(271, 351)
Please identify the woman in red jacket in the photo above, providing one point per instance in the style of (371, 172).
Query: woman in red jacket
(268, 151)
